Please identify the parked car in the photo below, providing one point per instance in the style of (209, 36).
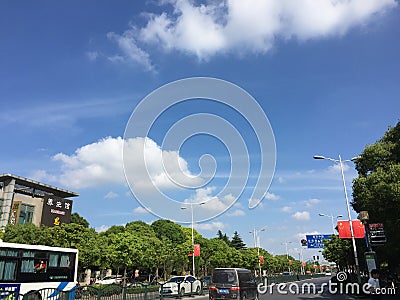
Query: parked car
(181, 285)
(286, 273)
(116, 279)
(232, 283)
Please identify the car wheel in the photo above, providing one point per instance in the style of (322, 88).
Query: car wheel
(182, 292)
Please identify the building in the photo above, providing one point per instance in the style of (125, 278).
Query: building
(23, 200)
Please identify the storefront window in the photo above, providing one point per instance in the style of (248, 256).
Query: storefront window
(26, 213)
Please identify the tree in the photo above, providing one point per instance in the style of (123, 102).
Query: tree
(377, 190)
(169, 230)
(26, 234)
(339, 251)
(77, 219)
(223, 237)
(237, 242)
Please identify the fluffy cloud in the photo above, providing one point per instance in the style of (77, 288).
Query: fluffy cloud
(111, 195)
(212, 203)
(242, 27)
(127, 43)
(140, 210)
(271, 196)
(302, 235)
(101, 163)
(311, 202)
(237, 213)
(301, 215)
(210, 226)
(102, 228)
(286, 209)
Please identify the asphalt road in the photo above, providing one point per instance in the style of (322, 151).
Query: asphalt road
(316, 288)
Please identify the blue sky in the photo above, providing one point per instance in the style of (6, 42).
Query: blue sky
(326, 75)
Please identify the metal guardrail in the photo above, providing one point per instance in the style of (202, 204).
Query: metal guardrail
(137, 291)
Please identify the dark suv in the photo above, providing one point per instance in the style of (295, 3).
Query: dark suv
(232, 283)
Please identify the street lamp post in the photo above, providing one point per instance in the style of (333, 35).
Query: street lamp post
(287, 252)
(257, 243)
(332, 217)
(191, 210)
(340, 161)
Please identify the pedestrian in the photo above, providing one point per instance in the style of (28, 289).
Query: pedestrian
(373, 285)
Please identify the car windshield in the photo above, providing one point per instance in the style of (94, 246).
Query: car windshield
(177, 279)
(224, 277)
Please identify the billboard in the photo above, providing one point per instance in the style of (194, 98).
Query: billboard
(317, 240)
(56, 210)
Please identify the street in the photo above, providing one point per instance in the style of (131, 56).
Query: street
(316, 288)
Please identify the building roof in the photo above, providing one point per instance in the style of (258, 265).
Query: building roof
(37, 187)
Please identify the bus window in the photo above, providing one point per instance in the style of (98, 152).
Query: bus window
(40, 266)
(7, 270)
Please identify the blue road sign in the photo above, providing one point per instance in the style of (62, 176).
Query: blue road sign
(317, 240)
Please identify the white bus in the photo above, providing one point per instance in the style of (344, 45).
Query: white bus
(37, 272)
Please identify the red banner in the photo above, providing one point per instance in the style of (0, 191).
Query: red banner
(196, 250)
(344, 229)
(261, 259)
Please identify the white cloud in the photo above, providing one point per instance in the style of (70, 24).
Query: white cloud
(111, 195)
(93, 55)
(140, 210)
(237, 213)
(241, 27)
(255, 203)
(336, 169)
(102, 228)
(210, 226)
(302, 235)
(127, 43)
(301, 215)
(287, 209)
(271, 196)
(311, 202)
(281, 179)
(101, 163)
(212, 203)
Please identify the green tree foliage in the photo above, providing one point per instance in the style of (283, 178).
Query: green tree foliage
(223, 237)
(138, 246)
(237, 242)
(169, 230)
(377, 190)
(26, 234)
(77, 219)
(339, 251)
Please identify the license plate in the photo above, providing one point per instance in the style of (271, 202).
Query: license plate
(224, 291)
(165, 291)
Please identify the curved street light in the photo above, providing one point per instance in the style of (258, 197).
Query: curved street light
(287, 251)
(340, 162)
(191, 210)
(257, 243)
(332, 217)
